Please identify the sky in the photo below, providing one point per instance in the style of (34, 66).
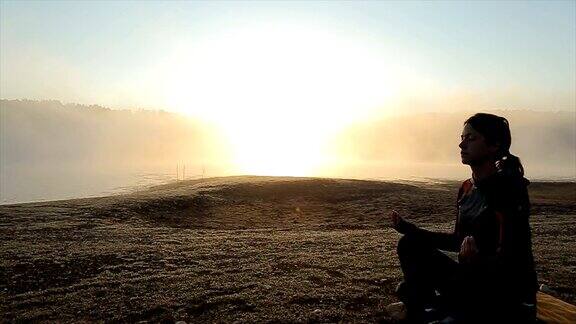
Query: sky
(285, 85)
(255, 58)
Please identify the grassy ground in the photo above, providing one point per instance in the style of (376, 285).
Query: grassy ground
(241, 249)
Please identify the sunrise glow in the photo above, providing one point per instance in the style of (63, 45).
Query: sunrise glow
(278, 94)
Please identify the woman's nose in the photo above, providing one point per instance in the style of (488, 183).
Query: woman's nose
(461, 145)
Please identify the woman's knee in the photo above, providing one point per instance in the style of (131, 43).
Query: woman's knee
(406, 243)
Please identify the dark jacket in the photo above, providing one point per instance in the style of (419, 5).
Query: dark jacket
(495, 211)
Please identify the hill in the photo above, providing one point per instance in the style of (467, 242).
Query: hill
(252, 249)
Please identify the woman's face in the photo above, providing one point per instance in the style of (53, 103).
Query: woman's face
(473, 147)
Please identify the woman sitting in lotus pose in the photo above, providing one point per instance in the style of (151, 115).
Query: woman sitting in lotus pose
(494, 279)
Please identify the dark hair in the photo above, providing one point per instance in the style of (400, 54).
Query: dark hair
(496, 131)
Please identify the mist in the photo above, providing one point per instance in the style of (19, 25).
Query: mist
(426, 145)
(51, 150)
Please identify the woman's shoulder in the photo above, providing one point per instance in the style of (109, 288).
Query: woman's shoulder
(508, 190)
(514, 182)
(467, 184)
(500, 188)
(501, 180)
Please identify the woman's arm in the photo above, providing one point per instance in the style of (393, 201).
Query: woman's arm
(440, 240)
(443, 241)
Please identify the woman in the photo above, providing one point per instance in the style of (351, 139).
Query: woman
(494, 279)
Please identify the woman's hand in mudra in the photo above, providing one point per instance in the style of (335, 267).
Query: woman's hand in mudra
(400, 224)
(396, 219)
(468, 250)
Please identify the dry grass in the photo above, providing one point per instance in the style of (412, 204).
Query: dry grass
(240, 249)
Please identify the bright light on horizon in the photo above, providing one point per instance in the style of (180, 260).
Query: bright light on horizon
(257, 70)
(279, 94)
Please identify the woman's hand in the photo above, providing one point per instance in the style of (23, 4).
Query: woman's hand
(468, 250)
(396, 219)
(400, 224)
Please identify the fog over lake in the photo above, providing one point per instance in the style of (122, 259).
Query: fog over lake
(50, 150)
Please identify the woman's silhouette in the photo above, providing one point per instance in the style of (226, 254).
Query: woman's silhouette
(494, 279)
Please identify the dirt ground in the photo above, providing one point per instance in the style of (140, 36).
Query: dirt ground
(241, 249)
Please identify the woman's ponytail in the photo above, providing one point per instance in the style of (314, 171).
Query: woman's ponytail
(510, 164)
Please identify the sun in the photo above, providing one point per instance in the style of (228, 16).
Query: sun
(278, 94)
